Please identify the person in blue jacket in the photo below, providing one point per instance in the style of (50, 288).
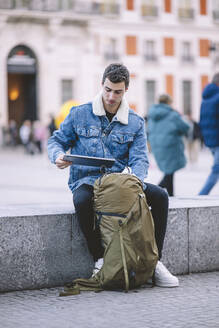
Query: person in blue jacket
(209, 124)
(166, 129)
(107, 127)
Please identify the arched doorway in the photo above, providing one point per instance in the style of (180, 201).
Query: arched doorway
(22, 75)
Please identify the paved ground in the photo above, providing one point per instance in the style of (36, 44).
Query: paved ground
(27, 179)
(33, 180)
(192, 305)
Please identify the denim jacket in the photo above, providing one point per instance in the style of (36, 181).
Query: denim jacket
(87, 131)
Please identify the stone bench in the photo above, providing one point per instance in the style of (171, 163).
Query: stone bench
(42, 246)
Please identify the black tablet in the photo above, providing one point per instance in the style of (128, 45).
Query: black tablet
(89, 161)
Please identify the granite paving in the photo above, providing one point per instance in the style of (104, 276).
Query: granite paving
(195, 304)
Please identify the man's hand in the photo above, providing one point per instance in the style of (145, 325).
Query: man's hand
(127, 170)
(60, 163)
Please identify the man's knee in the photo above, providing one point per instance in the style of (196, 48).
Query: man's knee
(83, 197)
(162, 195)
(156, 194)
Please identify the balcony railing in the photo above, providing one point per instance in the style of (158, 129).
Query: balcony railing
(187, 59)
(111, 55)
(186, 13)
(149, 11)
(151, 58)
(215, 14)
(76, 6)
(216, 60)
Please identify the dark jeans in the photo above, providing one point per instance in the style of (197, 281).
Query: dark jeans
(167, 182)
(157, 199)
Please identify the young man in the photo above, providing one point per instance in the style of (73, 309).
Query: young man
(108, 128)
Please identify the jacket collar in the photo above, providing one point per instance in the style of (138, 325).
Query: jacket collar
(122, 114)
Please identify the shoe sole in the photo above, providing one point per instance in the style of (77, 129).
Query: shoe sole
(166, 285)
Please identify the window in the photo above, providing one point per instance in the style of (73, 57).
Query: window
(216, 4)
(149, 8)
(185, 10)
(110, 51)
(186, 52)
(215, 10)
(186, 4)
(66, 4)
(186, 49)
(150, 93)
(187, 98)
(67, 90)
(149, 50)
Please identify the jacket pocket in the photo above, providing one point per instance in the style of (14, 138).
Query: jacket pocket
(120, 144)
(88, 138)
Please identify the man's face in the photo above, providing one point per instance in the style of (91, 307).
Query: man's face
(112, 95)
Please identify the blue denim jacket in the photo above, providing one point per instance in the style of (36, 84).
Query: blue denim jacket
(85, 133)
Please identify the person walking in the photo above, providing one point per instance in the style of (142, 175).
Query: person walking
(166, 129)
(25, 133)
(209, 124)
(107, 127)
(193, 140)
(40, 135)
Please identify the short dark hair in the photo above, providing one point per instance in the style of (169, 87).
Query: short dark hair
(165, 99)
(116, 73)
(215, 79)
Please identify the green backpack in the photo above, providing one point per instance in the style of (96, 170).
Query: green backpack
(127, 233)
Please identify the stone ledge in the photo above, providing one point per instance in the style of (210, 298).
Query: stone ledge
(44, 247)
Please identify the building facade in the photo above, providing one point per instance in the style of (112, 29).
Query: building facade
(56, 50)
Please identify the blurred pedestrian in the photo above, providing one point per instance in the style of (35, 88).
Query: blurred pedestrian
(39, 135)
(13, 132)
(209, 123)
(51, 126)
(166, 129)
(26, 136)
(1, 134)
(193, 140)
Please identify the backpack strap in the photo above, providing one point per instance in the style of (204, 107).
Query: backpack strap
(122, 244)
(123, 258)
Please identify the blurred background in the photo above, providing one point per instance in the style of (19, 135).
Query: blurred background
(56, 50)
(53, 53)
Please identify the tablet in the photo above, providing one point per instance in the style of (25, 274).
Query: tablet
(89, 160)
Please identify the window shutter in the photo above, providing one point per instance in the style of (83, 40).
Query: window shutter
(131, 45)
(167, 6)
(168, 46)
(204, 81)
(169, 84)
(204, 47)
(203, 7)
(130, 4)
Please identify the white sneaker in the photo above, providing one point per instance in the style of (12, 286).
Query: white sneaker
(163, 278)
(98, 265)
